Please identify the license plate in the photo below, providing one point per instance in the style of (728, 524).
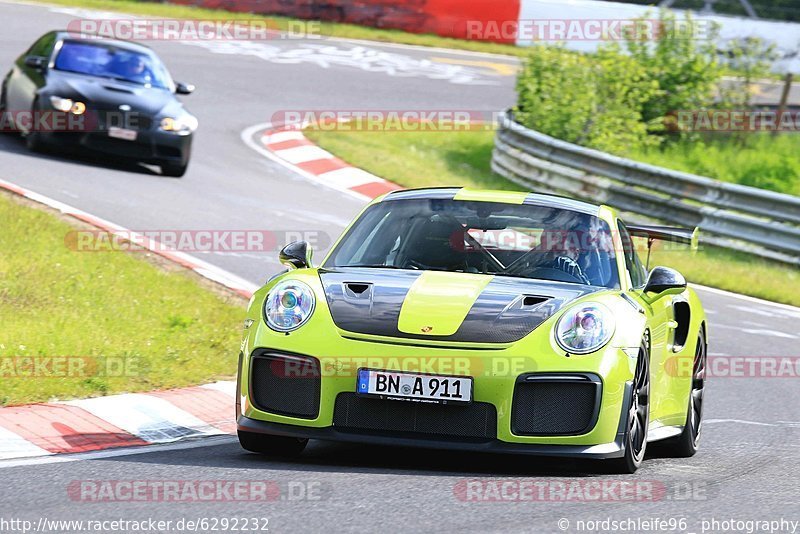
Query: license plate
(431, 388)
(122, 133)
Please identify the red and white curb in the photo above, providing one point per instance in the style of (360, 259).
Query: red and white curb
(127, 420)
(287, 146)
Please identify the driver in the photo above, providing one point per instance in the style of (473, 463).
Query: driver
(561, 251)
(135, 69)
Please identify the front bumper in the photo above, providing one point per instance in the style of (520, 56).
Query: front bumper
(602, 438)
(149, 147)
(614, 449)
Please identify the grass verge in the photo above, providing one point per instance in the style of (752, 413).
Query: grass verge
(757, 160)
(328, 29)
(108, 322)
(419, 159)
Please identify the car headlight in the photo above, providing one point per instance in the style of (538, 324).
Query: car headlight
(184, 124)
(584, 328)
(67, 104)
(288, 305)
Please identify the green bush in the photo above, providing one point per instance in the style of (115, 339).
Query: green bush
(682, 65)
(594, 100)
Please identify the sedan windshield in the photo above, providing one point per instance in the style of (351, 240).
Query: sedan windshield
(501, 239)
(114, 63)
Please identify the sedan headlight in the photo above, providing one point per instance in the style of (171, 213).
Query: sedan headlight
(584, 328)
(288, 305)
(184, 125)
(67, 104)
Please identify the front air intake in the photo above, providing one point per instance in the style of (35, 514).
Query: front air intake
(475, 421)
(555, 405)
(285, 384)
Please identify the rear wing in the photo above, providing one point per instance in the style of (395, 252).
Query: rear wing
(685, 236)
(672, 234)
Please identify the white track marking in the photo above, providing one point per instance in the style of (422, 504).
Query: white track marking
(303, 154)
(787, 307)
(150, 418)
(15, 446)
(279, 137)
(785, 424)
(210, 441)
(227, 387)
(757, 331)
(772, 312)
(348, 177)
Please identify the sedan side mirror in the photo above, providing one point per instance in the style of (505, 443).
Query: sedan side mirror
(184, 88)
(665, 281)
(296, 255)
(36, 62)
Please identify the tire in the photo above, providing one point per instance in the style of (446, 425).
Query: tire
(3, 119)
(685, 445)
(33, 139)
(272, 445)
(174, 170)
(638, 414)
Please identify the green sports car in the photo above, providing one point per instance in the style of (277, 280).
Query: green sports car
(486, 321)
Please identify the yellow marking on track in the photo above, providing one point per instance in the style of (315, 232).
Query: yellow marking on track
(503, 69)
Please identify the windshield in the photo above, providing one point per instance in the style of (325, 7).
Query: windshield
(111, 62)
(481, 237)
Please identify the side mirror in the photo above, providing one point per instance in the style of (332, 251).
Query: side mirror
(184, 88)
(665, 281)
(36, 62)
(296, 255)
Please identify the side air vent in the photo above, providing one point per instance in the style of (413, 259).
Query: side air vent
(682, 314)
(357, 289)
(529, 300)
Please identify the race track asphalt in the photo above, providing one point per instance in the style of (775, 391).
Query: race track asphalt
(748, 463)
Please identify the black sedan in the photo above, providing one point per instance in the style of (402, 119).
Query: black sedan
(108, 96)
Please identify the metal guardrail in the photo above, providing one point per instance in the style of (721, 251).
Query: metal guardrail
(733, 216)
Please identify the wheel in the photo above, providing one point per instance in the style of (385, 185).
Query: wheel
(271, 445)
(5, 126)
(33, 139)
(174, 170)
(685, 445)
(638, 414)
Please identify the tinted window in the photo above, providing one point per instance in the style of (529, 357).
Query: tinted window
(111, 62)
(632, 262)
(481, 237)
